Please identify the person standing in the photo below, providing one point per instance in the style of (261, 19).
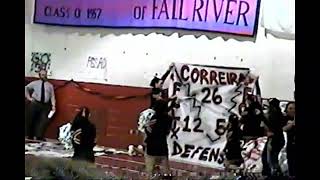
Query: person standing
(251, 119)
(156, 138)
(42, 100)
(158, 128)
(273, 126)
(290, 128)
(233, 145)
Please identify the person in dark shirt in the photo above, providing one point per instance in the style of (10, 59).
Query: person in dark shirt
(83, 136)
(233, 146)
(156, 138)
(290, 128)
(251, 119)
(157, 92)
(273, 126)
(158, 128)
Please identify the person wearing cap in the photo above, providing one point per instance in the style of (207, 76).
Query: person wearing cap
(251, 119)
(156, 84)
(158, 129)
(273, 127)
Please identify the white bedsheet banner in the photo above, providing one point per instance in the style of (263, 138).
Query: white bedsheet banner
(278, 16)
(208, 95)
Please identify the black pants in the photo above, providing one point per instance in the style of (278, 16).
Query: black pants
(37, 120)
(291, 156)
(233, 152)
(270, 156)
(83, 154)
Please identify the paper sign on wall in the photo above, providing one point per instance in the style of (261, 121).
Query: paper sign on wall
(94, 67)
(40, 61)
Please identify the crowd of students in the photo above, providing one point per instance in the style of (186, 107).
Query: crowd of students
(254, 122)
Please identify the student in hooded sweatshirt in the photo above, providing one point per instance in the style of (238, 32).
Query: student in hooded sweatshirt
(158, 129)
(83, 136)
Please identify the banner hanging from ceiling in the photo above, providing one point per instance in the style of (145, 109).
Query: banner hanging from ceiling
(226, 16)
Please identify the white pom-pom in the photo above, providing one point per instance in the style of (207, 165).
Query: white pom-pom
(130, 150)
(140, 147)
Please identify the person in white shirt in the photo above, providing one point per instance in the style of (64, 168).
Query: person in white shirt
(42, 100)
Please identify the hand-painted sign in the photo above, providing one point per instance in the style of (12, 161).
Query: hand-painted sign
(207, 96)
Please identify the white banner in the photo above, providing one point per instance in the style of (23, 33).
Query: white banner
(278, 17)
(207, 96)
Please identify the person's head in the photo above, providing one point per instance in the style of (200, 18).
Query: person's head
(43, 74)
(250, 99)
(290, 109)
(84, 112)
(156, 83)
(157, 91)
(274, 104)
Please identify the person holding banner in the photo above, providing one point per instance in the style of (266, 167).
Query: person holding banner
(156, 141)
(156, 84)
(157, 130)
(233, 146)
(273, 126)
(251, 119)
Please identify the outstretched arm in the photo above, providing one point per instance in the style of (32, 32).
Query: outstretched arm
(165, 75)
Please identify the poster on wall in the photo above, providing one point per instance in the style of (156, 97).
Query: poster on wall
(39, 61)
(233, 16)
(207, 96)
(94, 68)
